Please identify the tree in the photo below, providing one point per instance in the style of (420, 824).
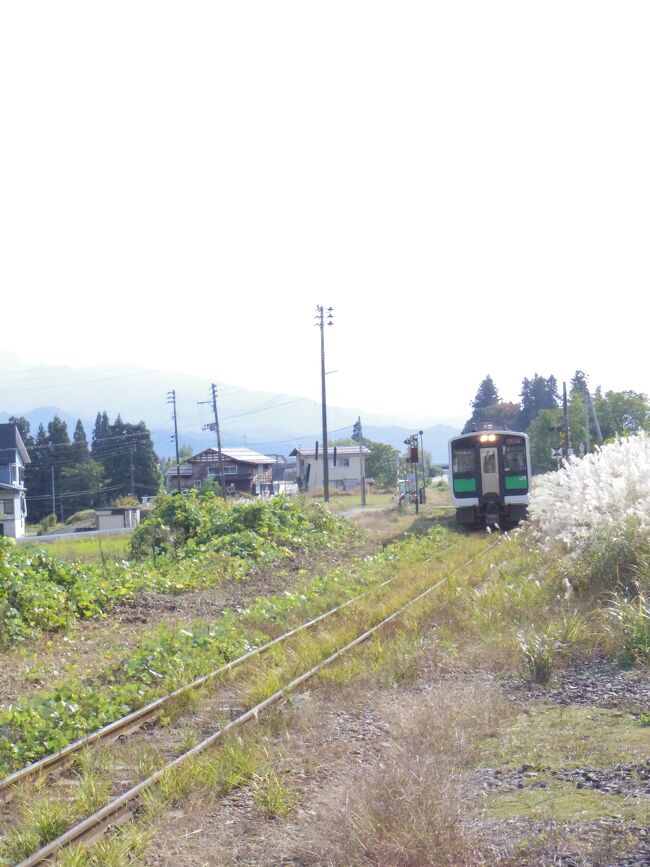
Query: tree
(579, 381)
(101, 433)
(381, 463)
(79, 451)
(537, 394)
(487, 395)
(128, 457)
(23, 429)
(544, 434)
(38, 476)
(80, 485)
(621, 412)
(504, 415)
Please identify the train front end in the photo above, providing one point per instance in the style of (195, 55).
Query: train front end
(490, 478)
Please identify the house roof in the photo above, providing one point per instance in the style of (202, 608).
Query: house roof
(186, 470)
(341, 451)
(10, 439)
(241, 455)
(15, 489)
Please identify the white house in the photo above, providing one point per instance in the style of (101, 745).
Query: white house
(13, 458)
(344, 464)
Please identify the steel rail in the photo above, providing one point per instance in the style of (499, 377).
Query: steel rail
(95, 825)
(137, 718)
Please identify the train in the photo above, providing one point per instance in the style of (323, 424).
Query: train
(489, 478)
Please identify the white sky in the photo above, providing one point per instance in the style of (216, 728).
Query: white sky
(467, 184)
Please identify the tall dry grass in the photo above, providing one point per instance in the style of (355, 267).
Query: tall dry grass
(414, 806)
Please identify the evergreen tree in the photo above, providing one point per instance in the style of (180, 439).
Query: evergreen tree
(486, 396)
(101, 433)
(79, 451)
(128, 456)
(23, 429)
(81, 474)
(503, 415)
(38, 477)
(579, 382)
(537, 394)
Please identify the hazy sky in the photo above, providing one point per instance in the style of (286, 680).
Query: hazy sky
(467, 184)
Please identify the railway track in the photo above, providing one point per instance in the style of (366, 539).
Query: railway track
(123, 806)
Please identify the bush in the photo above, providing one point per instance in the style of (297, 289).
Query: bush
(84, 515)
(250, 529)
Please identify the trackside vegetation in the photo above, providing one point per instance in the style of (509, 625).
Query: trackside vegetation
(188, 542)
(168, 657)
(529, 764)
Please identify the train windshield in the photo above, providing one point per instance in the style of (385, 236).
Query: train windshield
(514, 459)
(463, 461)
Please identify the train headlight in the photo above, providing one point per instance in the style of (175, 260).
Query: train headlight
(491, 438)
(483, 438)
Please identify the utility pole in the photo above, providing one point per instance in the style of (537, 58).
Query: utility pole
(424, 482)
(215, 426)
(131, 470)
(599, 433)
(171, 399)
(320, 321)
(53, 493)
(565, 424)
(357, 434)
(412, 443)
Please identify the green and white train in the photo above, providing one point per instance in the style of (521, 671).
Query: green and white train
(490, 478)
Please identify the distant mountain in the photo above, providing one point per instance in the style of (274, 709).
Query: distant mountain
(268, 422)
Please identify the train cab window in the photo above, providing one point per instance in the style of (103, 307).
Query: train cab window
(490, 461)
(463, 461)
(514, 459)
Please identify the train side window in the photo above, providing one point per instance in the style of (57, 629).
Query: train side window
(463, 461)
(514, 459)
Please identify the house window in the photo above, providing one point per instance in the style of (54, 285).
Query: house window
(8, 507)
(197, 483)
(214, 474)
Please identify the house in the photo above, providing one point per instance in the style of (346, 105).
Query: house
(13, 458)
(344, 463)
(244, 470)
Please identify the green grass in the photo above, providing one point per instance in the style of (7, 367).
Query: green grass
(87, 549)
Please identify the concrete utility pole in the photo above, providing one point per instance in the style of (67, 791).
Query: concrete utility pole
(215, 427)
(357, 434)
(53, 494)
(222, 474)
(424, 480)
(412, 443)
(565, 405)
(171, 398)
(131, 469)
(320, 321)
